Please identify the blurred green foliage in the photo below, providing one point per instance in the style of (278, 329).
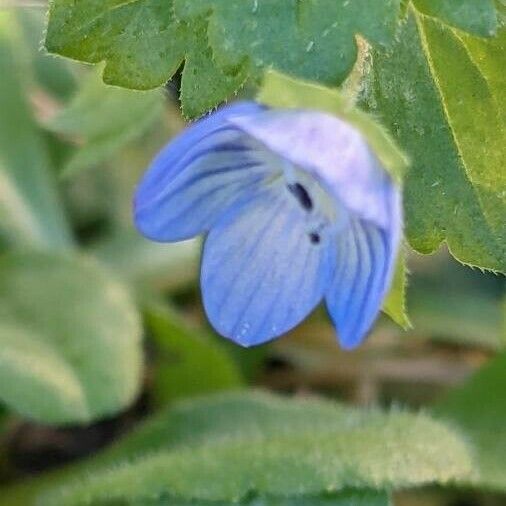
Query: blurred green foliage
(30, 208)
(187, 363)
(479, 408)
(63, 323)
(98, 117)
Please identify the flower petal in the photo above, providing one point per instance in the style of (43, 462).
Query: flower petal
(197, 176)
(261, 274)
(366, 257)
(330, 149)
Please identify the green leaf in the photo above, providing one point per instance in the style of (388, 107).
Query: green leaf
(105, 119)
(204, 84)
(144, 44)
(186, 363)
(312, 40)
(30, 209)
(474, 16)
(446, 109)
(223, 447)
(479, 409)
(69, 339)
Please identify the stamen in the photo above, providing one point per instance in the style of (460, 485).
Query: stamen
(314, 237)
(302, 195)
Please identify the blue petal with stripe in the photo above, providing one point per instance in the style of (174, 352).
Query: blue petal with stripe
(261, 274)
(365, 262)
(197, 176)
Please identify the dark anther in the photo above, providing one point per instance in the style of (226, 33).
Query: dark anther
(314, 237)
(301, 194)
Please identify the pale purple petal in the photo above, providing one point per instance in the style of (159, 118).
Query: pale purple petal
(330, 149)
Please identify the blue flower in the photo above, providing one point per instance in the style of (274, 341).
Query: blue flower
(296, 208)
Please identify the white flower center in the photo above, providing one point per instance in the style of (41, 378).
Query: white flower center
(323, 215)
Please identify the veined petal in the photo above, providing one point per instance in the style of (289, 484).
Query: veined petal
(167, 162)
(261, 272)
(366, 255)
(197, 176)
(330, 149)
